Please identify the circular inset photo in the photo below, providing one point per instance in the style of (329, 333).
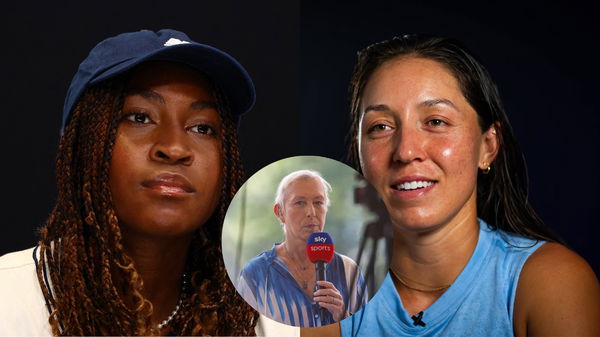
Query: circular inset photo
(305, 241)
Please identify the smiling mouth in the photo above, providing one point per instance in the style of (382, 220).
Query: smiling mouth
(413, 185)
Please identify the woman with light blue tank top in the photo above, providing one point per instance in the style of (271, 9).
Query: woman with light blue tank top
(470, 255)
(480, 302)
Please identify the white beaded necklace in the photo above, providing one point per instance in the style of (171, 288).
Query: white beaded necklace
(179, 303)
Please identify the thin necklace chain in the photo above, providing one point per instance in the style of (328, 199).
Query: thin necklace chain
(177, 307)
(431, 288)
(293, 261)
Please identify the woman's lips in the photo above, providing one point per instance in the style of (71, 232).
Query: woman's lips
(169, 184)
(312, 227)
(412, 187)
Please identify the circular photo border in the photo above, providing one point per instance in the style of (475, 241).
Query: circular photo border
(355, 220)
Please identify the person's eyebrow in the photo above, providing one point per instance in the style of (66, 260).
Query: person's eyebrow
(377, 107)
(148, 94)
(154, 96)
(201, 105)
(437, 101)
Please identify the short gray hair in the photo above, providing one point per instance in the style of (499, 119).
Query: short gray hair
(296, 175)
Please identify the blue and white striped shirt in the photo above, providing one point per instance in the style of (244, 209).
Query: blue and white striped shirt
(268, 286)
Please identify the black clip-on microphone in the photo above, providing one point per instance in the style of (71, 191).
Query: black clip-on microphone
(418, 319)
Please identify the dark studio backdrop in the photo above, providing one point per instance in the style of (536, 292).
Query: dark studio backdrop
(543, 57)
(300, 55)
(44, 42)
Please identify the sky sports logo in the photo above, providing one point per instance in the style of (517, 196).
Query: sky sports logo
(319, 247)
(320, 239)
(326, 248)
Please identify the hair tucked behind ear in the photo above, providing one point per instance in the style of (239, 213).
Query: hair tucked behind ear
(502, 194)
(80, 244)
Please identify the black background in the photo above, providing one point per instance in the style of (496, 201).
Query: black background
(300, 55)
(43, 44)
(543, 57)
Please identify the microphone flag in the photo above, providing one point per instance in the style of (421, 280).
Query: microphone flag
(320, 247)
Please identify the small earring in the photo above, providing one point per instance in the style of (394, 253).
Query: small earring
(494, 131)
(487, 169)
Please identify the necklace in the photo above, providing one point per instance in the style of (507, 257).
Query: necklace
(304, 282)
(430, 288)
(179, 304)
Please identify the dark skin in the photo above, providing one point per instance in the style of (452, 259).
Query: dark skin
(165, 174)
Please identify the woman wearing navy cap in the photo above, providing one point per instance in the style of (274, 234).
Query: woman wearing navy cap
(148, 162)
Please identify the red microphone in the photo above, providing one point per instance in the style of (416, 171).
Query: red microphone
(320, 249)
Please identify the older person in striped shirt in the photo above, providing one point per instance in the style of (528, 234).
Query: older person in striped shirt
(281, 282)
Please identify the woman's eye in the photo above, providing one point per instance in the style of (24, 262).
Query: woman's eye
(138, 117)
(379, 128)
(436, 122)
(203, 129)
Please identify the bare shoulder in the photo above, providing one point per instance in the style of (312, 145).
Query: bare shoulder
(562, 262)
(558, 294)
(331, 330)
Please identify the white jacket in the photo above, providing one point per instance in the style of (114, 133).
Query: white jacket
(23, 309)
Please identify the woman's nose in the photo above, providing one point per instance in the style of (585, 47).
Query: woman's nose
(310, 210)
(171, 147)
(408, 145)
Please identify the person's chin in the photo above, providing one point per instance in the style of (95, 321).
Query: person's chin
(414, 219)
(163, 225)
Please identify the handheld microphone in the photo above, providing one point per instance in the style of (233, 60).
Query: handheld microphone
(319, 250)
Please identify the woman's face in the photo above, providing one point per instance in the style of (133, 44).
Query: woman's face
(304, 209)
(420, 143)
(165, 173)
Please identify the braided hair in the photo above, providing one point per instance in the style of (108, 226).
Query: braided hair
(83, 269)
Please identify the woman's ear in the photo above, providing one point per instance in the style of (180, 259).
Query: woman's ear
(490, 145)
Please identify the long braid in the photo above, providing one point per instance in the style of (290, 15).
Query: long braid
(80, 244)
(77, 229)
(216, 301)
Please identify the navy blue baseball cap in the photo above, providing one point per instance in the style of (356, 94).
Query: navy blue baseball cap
(118, 54)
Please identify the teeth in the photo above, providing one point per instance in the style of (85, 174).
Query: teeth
(413, 185)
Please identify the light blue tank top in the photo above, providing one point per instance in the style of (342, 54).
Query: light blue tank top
(480, 302)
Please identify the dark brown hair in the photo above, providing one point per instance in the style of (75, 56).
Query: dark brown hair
(501, 194)
(81, 255)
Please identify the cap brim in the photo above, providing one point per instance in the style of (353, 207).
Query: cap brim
(219, 66)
